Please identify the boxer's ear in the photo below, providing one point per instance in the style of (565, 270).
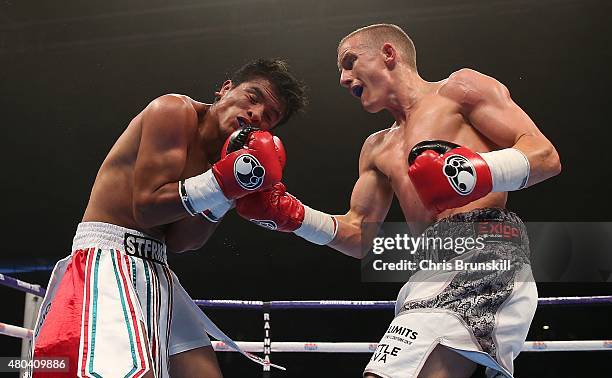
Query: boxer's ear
(390, 55)
(225, 87)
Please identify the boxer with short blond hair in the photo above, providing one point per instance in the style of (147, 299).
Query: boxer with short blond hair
(456, 148)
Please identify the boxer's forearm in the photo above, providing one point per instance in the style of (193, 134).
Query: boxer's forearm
(543, 157)
(158, 204)
(171, 203)
(189, 234)
(370, 201)
(276, 209)
(350, 238)
(162, 206)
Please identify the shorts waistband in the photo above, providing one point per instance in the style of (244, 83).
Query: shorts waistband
(110, 236)
(493, 224)
(485, 214)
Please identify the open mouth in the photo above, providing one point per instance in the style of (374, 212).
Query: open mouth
(357, 90)
(242, 122)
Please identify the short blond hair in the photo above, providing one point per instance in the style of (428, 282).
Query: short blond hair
(378, 34)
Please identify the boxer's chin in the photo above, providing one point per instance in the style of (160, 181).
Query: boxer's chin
(228, 128)
(371, 106)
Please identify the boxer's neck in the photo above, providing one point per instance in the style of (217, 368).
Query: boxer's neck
(407, 90)
(209, 134)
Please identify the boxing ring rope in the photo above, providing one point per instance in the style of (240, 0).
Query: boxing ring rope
(371, 305)
(354, 347)
(322, 304)
(267, 347)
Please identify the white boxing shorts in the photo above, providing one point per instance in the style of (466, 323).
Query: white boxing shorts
(484, 315)
(114, 308)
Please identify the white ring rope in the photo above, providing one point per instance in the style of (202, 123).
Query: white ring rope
(361, 347)
(354, 347)
(15, 331)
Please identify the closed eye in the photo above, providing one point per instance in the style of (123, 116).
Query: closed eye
(257, 97)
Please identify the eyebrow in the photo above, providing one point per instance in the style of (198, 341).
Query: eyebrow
(261, 95)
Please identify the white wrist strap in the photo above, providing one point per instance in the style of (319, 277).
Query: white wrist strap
(317, 227)
(509, 169)
(215, 214)
(201, 192)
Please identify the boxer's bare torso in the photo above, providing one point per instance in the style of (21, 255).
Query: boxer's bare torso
(377, 64)
(436, 116)
(111, 198)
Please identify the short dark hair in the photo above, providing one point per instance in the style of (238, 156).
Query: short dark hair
(292, 92)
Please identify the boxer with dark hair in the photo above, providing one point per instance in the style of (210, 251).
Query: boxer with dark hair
(114, 307)
(456, 148)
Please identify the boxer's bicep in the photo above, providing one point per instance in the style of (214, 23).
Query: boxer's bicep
(370, 202)
(163, 143)
(499, 118)
(162, 153)
(490, 109)
(371, 198)
(372, 193)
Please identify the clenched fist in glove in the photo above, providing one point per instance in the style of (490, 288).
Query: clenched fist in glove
(448, 176)
(251, 160)
(276, 209)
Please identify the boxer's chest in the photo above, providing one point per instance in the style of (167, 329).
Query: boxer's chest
(433, 120)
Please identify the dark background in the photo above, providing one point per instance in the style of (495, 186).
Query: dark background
(73, 74)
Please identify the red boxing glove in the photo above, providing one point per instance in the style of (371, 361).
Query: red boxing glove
(258, 165)
(273, 208)
(448, 176)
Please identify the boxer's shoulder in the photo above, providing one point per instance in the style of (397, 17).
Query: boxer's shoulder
(372, 146)
(468, 76)
(469, 87)
(375, 140)
(172, 105)
(173, 113)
